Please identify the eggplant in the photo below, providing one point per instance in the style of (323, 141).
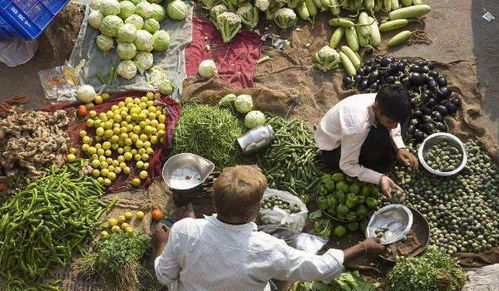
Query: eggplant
(442, 82)
(368, 63)
(419, 63)
(385, 61)
(431, 102)
(441, 126)
(442, 109)
(360, 71)
(451, 108)
(367, 70)
(432, 84)
(347, 81)
(417, 114)
(444, 92)
(419, 136)
(433, 73)
(373, 77)
(357, 79)
(394, 67)
(437, 116)
(426, 110)
(456, 101)
(429, 65)
(416, 69)
(428, 127)
(374, 86)
(410, 130)
(364, 84)
(390, 79)
(416, 79)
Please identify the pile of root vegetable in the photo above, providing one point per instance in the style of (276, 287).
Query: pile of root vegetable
(45, 222)
(462, 209)
(32, 140)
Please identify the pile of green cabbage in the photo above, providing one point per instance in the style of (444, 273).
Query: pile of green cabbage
(133, 28)
(244, 105)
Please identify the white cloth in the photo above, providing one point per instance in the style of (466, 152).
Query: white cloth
(348, 124)
(207, 254)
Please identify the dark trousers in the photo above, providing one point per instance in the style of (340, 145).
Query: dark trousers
(376, 152)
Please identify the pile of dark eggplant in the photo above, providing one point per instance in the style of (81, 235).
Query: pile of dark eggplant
(431, 99)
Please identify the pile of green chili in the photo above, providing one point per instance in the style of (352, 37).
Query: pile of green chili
(47, 219)
(292, 162)
(210, 132)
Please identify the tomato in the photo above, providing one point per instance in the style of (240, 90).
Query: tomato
(157, 214)
(82, 111)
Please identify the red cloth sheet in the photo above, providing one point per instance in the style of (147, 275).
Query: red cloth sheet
(156, 161)
(236, 61)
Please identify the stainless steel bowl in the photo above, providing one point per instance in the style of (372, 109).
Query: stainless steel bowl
(186, 171)
(436, 138)
(395, 218)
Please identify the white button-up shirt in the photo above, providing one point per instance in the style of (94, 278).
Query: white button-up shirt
(347, 124)
(207, 254)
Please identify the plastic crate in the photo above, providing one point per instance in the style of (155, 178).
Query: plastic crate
(27, 19)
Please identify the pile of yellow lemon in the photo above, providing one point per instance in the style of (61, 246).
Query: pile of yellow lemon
(124, 135)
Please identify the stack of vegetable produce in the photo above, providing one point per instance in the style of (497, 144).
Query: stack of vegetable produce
(229, 16)
(135, 25)
(435, 270)
(243, 104)
(32, 140)
(129, 131)
(292, 162)
(431, 98)
(45, 222)
(117, 259)
(462, 210)
(210, 132)
(122, 223)
(347, 199)
(443, 157)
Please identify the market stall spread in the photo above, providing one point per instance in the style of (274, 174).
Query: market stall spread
(62, 159)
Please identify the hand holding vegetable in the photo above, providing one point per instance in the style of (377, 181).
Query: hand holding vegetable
(387, 186)
(407, 158)
(373, 246)
(160, 238)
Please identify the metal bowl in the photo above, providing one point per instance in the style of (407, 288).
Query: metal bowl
(186, 171)
(396, 218)
(421, 230)
(436, 138)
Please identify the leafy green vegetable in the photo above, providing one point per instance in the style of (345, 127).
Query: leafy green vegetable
(435, 270)
(117, 259)
(348, 281)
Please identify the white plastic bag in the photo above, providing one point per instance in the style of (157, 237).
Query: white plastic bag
(295, 221)
(16, 52)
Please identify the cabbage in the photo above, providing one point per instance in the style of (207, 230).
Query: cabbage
(229, 25)
(159, 12)
(207, 69)
(227, 100)
(327, 58)
(127, 9)
(104, 43)
(143, 42)
(85, 94)
(135, 20)
(144, 61)
(177, 10)
(243, 103)
(157, 76)
(110, 25)
(95, 19)
(110, 7)
(254, 118)
(160, 40)
(151, 25)
(127, 69)
(127, 33)
(126, 51)
(95, 4)
(144, 9)
(166, 88)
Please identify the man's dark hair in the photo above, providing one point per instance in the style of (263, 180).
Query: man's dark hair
(394, 102)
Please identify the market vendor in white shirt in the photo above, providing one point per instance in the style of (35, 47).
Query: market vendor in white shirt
(361, 134)
(226, 252)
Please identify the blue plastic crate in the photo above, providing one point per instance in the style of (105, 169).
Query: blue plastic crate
(27, 19)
